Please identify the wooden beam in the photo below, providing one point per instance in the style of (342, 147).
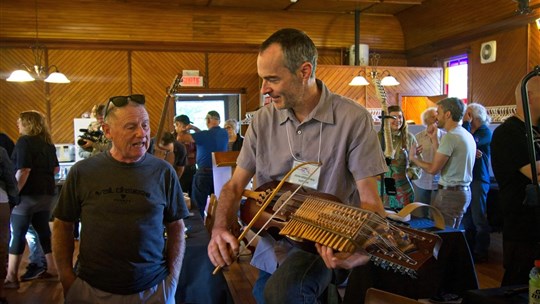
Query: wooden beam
(510, 22)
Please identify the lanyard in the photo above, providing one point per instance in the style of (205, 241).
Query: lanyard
(290, 147)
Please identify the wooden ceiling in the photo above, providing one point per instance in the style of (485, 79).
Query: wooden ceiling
(385, 7)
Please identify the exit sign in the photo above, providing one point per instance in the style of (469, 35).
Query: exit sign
(192, 81)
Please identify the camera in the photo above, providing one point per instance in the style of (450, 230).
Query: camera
(91, 135)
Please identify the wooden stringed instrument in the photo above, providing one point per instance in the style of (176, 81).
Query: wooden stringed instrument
(387, 134)
(166, 153)
(389, 152)
(320, 217)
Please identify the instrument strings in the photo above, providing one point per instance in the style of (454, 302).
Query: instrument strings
(367, 231)
(266, 202)
(272, 217)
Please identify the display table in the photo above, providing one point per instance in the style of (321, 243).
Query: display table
(503, 295)
(197, 284)
(452, 272)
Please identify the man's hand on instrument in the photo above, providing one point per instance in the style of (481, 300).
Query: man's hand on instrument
(223, 247)
(341, 259)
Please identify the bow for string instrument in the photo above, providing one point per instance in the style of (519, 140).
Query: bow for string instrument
(267, 202)
(166, 152)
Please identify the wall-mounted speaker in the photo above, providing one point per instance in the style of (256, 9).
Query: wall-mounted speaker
(488, 51)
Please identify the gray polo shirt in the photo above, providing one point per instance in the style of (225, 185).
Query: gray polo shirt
(350, 149)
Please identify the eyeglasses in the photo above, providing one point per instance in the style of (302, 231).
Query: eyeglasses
(120, 101)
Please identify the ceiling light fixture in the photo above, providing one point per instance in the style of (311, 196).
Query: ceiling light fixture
(387, 79)
(40, 71)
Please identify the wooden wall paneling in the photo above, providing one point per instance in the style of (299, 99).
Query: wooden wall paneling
(16, 97)
(329, 57)
(393, 60)
(236, 71)
(149, 22)
(153, 73)
(95, 76)
(428, 23)
(337, 79)
(534, 46)
(413, 81)
(493, 83)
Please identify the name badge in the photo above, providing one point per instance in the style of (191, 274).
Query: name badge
(307, 175)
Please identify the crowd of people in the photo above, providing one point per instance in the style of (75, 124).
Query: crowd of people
(132, 245)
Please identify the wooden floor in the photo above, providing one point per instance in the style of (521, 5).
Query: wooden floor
(240, 277)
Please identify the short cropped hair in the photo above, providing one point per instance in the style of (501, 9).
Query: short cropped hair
(297, 48)
(455, 105)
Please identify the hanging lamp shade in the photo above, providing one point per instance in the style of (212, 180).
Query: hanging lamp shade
(57, 77)
(359, 81)
(389, 81)
(20, 76)
(39, 71)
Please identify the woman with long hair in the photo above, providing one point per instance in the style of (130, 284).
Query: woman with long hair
(35, 162)
(400, 171)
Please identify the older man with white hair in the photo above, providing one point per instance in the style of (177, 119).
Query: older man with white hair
(425, 187)
(477, 229)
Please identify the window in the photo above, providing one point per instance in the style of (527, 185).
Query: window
(197, 105)
(197, 110)
(456, 77)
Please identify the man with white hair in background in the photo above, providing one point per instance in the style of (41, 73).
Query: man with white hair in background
(425, 187)
(477, 229)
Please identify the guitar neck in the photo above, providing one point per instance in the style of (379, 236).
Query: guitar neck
(387, 134)
(162, 119)
(170, 92)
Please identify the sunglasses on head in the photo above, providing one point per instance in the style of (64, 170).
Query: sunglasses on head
(120, 101)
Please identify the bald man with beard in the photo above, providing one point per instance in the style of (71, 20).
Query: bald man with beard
(512, 169)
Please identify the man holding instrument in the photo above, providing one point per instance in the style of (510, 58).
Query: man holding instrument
(305, 123)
